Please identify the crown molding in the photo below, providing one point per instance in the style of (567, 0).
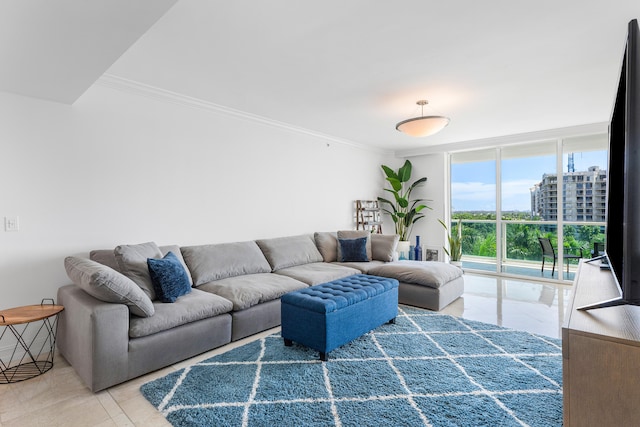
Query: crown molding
(500, 141)
(141, 89)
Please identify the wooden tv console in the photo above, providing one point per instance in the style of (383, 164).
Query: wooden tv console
(600, 355)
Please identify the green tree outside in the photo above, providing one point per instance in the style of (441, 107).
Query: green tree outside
(479, 238)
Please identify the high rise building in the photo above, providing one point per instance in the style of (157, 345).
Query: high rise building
(584, 196)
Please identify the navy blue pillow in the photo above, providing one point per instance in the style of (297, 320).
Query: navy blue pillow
(169, 278)
(353, 250)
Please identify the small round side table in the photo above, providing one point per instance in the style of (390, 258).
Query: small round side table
(33, 350)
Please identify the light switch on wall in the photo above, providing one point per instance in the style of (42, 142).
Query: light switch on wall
(11, 223)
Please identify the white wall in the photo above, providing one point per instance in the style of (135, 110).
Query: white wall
(123, 168)
(433, 166)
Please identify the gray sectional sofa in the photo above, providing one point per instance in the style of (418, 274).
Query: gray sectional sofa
(115, 328)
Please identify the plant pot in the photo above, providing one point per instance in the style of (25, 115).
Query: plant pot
(402, 250)
(456, 263)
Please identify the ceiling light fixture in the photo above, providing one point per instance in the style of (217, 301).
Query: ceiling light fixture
(423, 125)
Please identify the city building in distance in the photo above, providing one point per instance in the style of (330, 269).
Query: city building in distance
(584, 196)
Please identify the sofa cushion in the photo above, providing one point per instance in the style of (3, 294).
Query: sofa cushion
(327, 243)
(354, 234)
(426, 273)
(363, 267)
(108, 257)
(317, 272)
(132, 262)
(168, 277)
(214, 262)
(192, 307)
(106, 284)
(105, 257)
(283, 252)
(353, 250)
(252, 289)
(383, 246)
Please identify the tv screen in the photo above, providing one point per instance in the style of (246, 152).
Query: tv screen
(623, 181)
(615, 180)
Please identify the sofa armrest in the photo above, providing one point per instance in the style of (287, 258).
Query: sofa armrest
(93, 336)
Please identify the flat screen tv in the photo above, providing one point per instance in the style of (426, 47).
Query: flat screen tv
(622, 250)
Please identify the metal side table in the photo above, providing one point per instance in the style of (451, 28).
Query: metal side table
(31, 331)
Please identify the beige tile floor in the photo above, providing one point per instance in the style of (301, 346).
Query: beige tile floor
(58, 398)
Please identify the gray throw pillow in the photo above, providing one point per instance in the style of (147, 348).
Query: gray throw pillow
(383, 246)
(219, 261)
(106, 284)
(354, 234)
(327, 243)
(105, 257)
(283, 252)
(132, 260)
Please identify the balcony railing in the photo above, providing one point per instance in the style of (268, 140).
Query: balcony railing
(520, 252)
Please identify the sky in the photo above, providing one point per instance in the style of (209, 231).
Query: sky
(473, 185)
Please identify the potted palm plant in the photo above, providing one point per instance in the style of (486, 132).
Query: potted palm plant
(404, 210)
(455, 243)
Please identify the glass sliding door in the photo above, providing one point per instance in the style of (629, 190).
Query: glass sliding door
(473, 200)
(585, 196)
(529, 202)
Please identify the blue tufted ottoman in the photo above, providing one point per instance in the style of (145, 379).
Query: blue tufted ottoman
(326, 316)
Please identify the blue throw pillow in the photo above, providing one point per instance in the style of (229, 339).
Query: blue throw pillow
(353, 250)
(169, 278)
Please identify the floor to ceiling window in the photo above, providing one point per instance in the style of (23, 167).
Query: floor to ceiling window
(511, 200)
(523, 168)
(584, 196)
(473, 199)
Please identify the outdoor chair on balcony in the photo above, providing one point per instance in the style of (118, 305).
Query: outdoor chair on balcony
(549, 252)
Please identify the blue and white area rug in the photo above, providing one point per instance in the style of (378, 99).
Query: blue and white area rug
(427, 369)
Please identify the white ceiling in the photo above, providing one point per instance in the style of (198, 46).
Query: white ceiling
(348, 69)
(56, 50)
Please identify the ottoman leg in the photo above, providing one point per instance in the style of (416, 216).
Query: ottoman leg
(392, 321)
(323, 356)
(288, 342)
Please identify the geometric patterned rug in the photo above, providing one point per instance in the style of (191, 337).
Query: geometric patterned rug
(427, 369)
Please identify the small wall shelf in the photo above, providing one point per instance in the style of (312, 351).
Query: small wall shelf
(368, 216)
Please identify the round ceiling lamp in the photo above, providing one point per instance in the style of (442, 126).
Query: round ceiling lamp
(423, 125)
